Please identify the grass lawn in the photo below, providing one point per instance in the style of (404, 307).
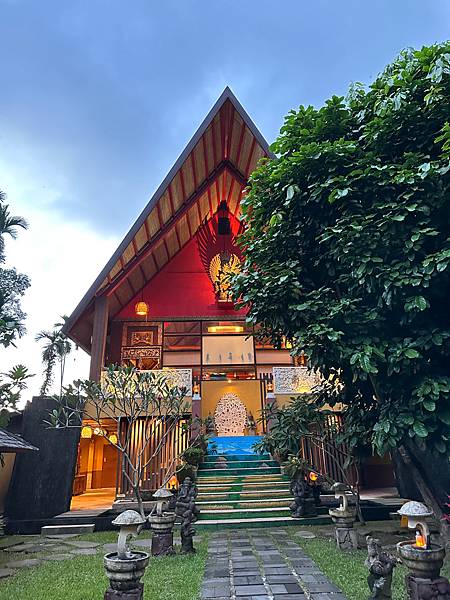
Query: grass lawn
(83, 577)
(347, 570)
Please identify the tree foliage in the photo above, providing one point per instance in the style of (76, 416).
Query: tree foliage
(347, 249)
(12, 384)
(12, 284)
(57, 347)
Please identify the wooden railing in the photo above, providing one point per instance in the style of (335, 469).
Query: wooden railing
(167, 440)
(325, 455)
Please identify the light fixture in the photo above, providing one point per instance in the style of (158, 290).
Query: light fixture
(99, 431)
(141, 308)
(86, 432)
(225, 329)
(113, 438)
(173, 483)
(417, 513)
(313, 476)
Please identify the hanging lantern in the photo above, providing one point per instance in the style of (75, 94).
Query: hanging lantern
(113, 438)
(86, 432)
(141, 308)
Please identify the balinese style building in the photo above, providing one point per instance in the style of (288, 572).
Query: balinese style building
(162, 301)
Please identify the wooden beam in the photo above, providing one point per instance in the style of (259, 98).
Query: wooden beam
(145, 250)
(99, 330)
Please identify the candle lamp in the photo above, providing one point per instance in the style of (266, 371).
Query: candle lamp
(423, 558)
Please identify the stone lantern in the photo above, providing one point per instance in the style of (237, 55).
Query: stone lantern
(126, 567)
(343, 517)
(423, 558)
(162, 523)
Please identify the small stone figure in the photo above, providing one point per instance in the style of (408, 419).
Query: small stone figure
(380, 565)
(304, 503)
(188, 512)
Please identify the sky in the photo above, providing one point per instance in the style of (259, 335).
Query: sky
(99, 97)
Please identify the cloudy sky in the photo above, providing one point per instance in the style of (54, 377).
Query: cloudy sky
(98, 98)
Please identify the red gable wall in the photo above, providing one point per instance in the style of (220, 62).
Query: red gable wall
(181, 289)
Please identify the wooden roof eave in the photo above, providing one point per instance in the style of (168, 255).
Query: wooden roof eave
(94, 289)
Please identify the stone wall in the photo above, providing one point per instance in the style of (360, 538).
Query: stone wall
(41, 483)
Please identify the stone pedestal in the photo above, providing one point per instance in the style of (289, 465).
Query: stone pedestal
(162, 544)
(346, 537)
(427, 589)
(136, 594)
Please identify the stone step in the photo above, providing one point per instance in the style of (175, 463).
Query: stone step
(243, 496)
(239, 471)
(67, 529)
(246, 513)
(238, 464)
(237, 457)
(243, 504)
(264, 485)
(230, 478)
(259, 522)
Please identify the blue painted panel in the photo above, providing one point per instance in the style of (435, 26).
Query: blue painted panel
(235, 445)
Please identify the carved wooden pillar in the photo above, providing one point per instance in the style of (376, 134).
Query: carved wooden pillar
(99, 331)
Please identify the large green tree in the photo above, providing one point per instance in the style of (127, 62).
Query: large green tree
(347, 247)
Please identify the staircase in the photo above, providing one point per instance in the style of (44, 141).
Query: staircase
(250, 492)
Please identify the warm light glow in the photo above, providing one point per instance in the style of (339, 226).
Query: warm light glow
(230, 380)
(313, 476)
(173, 483)
(196, 388)
(141, 308)
(421, 542)
(113, 438)
(270, 387)
(86, 432)
(225, 329)
(99, 431)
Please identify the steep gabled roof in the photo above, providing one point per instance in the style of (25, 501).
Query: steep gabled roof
(215, 165)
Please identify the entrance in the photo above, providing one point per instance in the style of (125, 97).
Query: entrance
(248, 393)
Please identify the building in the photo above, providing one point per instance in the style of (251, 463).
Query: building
(171, 268)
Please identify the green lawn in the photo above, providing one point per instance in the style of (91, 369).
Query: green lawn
(347, 570)
(83, 577)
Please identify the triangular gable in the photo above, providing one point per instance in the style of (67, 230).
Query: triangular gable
(214, 166)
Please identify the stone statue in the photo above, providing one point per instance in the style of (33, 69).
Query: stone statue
(304, 504)
(380, 565)
(188, 512)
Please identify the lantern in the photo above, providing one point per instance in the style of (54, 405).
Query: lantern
(86, 432)
(113, 438)
(173, 483)
(141, 308)
(313, 476)
(417, 513)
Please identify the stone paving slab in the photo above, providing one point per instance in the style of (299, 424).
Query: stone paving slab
(255, 565)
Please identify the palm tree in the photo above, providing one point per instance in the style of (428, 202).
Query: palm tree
(56, 349)
(8, 224)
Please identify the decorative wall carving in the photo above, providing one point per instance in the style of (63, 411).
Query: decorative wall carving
(230, 415)
(175, 377)
(180, 378)
(294, 380)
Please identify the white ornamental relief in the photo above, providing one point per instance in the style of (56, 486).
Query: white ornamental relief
(294, 380)
(230, 416)
(181, 378)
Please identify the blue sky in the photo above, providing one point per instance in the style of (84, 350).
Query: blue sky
(98, 98)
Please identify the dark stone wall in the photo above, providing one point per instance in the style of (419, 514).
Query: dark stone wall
(41, 484)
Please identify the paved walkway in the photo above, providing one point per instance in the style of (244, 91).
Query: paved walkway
(262, 564)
